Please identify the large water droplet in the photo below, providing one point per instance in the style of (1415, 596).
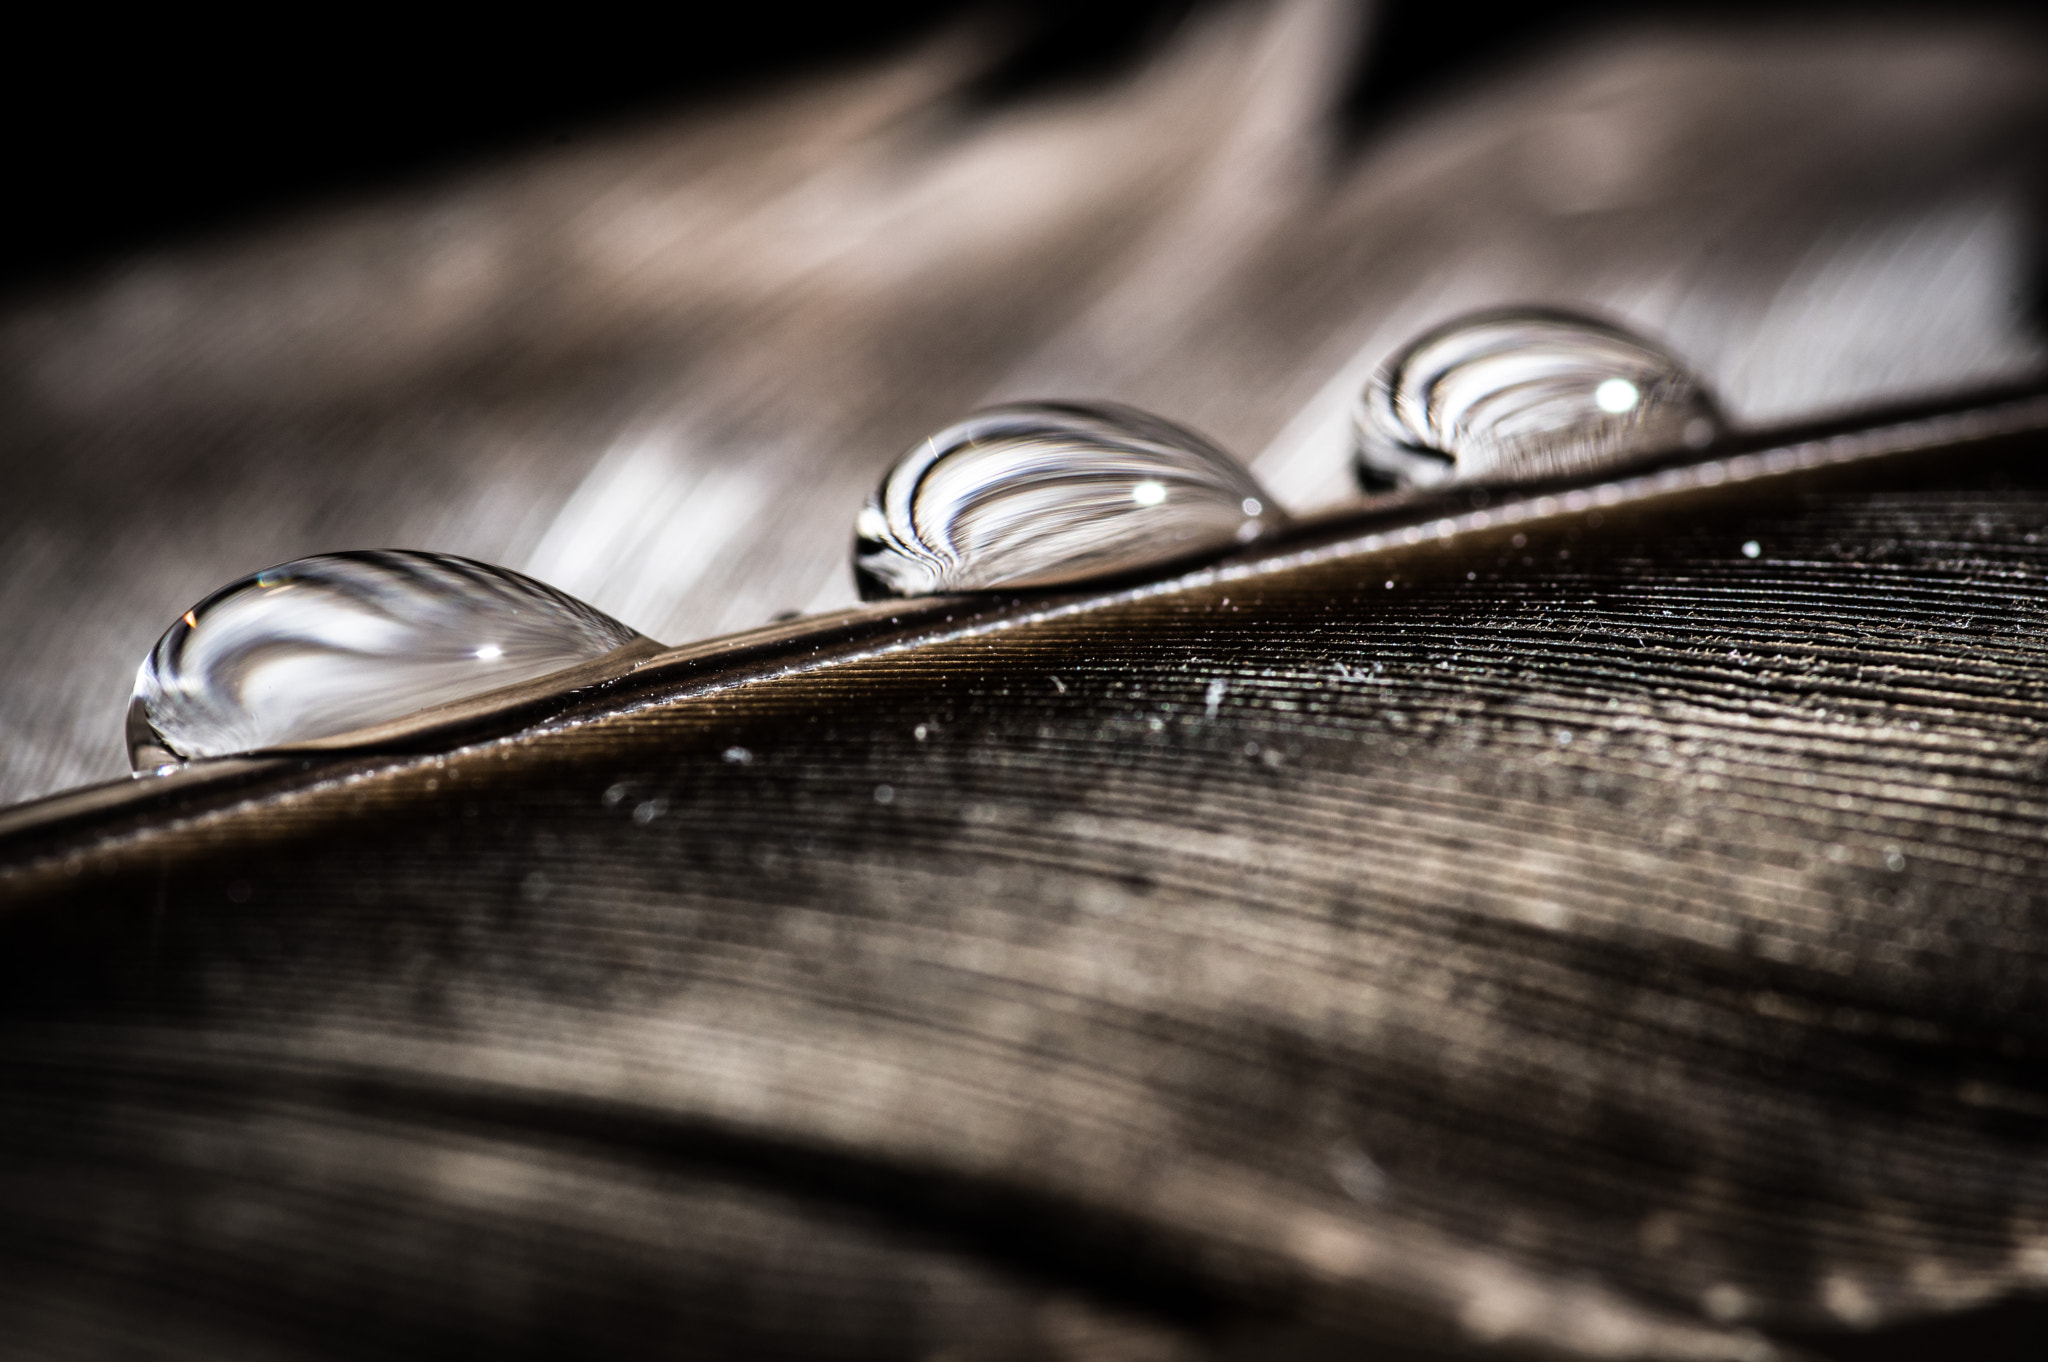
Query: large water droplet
(1044, 494)
(1525, 394)
(324, 645)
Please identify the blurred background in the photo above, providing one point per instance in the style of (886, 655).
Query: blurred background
(645, 307)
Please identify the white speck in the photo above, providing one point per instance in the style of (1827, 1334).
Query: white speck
(1362, 1180)
(1059, 685)
(1149, 493)
(739, 756)
(1390, 586)
(885, 794)
(1894, 859)
(613, 794)
(1752, 549)
(2033, 1259)
(1564, 737)
(1846, 1299)
(1251, 749)
(490, 652)
(1212, 699)
(650, 810)
(1253, 506)
(919, 732)
(1725, 1302)
(1660, 1232)
(1616, 395)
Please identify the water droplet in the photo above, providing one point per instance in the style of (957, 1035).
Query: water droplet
(1751, 549)
(1525, 394)
(1044, 494)
(324, 645)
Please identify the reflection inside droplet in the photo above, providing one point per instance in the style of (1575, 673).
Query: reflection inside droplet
(1616, 395)
(1525, 394)
(1042, 494)
(324, 645)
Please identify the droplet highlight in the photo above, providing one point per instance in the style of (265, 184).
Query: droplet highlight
(322, 646)
(1046, 494)
(1510, 396)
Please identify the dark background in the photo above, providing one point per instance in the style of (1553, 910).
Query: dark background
(128, 133)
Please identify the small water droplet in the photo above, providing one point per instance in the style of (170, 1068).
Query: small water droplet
(1525, 394)
(1045, 494)
(1751, 549)
(317, 647)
